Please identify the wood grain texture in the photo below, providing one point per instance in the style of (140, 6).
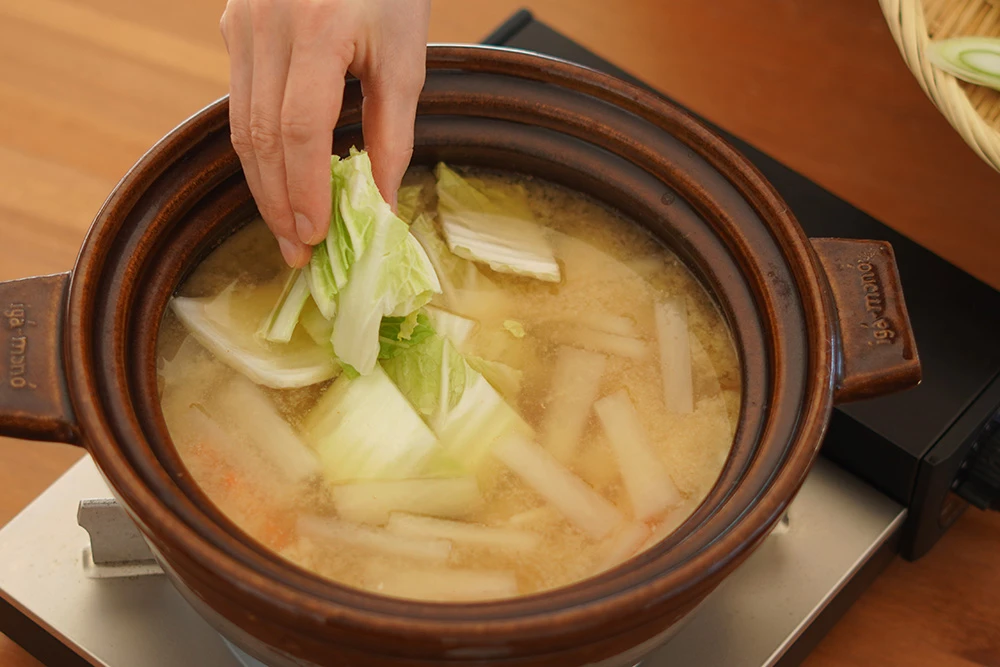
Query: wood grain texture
(86, 86)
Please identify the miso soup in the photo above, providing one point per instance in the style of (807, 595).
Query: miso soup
(563, 401)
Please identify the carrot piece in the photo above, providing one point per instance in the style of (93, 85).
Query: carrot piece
(277, 530)
(230, 481)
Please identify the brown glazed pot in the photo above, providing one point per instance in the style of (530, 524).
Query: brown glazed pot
(815, 323)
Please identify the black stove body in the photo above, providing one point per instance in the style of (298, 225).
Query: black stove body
(933, 448)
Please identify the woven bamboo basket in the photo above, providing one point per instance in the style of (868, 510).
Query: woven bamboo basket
(974, 111)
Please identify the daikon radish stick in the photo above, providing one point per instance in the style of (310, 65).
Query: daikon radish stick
(670, 523)
(465, 533)
(192, 427)
(187, 372)
(646, 266)
(440, 584)
(622, 545)
(371, 502)
(711, 388)
(575, 383)
(189, 425)
(333, 532)
(618, 325)
(583, 506)
(481, 305)
(647, 481)
(594, 463)
(536, 516)
(245, 409)
(612, 324)
(675, 356)
(699, 357)
(600, 341)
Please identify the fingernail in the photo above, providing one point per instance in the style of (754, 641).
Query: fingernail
(394, 202)
(304, 228)
(292, 252)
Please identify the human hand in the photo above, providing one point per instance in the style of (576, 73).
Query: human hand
(288, 60)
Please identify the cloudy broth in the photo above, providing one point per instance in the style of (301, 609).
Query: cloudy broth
(623, 371)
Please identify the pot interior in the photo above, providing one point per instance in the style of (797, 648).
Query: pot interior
(510, 113)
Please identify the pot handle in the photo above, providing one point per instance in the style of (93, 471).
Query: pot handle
(877, 351)
(34, 400)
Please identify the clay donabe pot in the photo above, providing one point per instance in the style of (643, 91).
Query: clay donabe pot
(816, 322)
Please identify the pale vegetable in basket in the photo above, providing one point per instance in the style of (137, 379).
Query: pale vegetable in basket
(972, 59)
(477, 398)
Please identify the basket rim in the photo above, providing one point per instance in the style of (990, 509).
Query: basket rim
(909, 30)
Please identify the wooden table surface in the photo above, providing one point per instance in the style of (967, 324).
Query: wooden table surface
(86, 86)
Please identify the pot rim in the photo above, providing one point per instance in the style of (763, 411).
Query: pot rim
(99, 432)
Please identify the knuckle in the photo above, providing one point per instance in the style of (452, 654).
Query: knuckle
(342, 54)
(240, 137)
(265, 139)
(297, 129)
(229, 17)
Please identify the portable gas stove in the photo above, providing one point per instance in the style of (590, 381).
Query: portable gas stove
(78, 585)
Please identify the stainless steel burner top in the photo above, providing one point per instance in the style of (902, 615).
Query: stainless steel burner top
(121, 615)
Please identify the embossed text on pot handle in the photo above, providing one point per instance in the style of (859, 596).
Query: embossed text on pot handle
(34, 401)
(878, 353)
